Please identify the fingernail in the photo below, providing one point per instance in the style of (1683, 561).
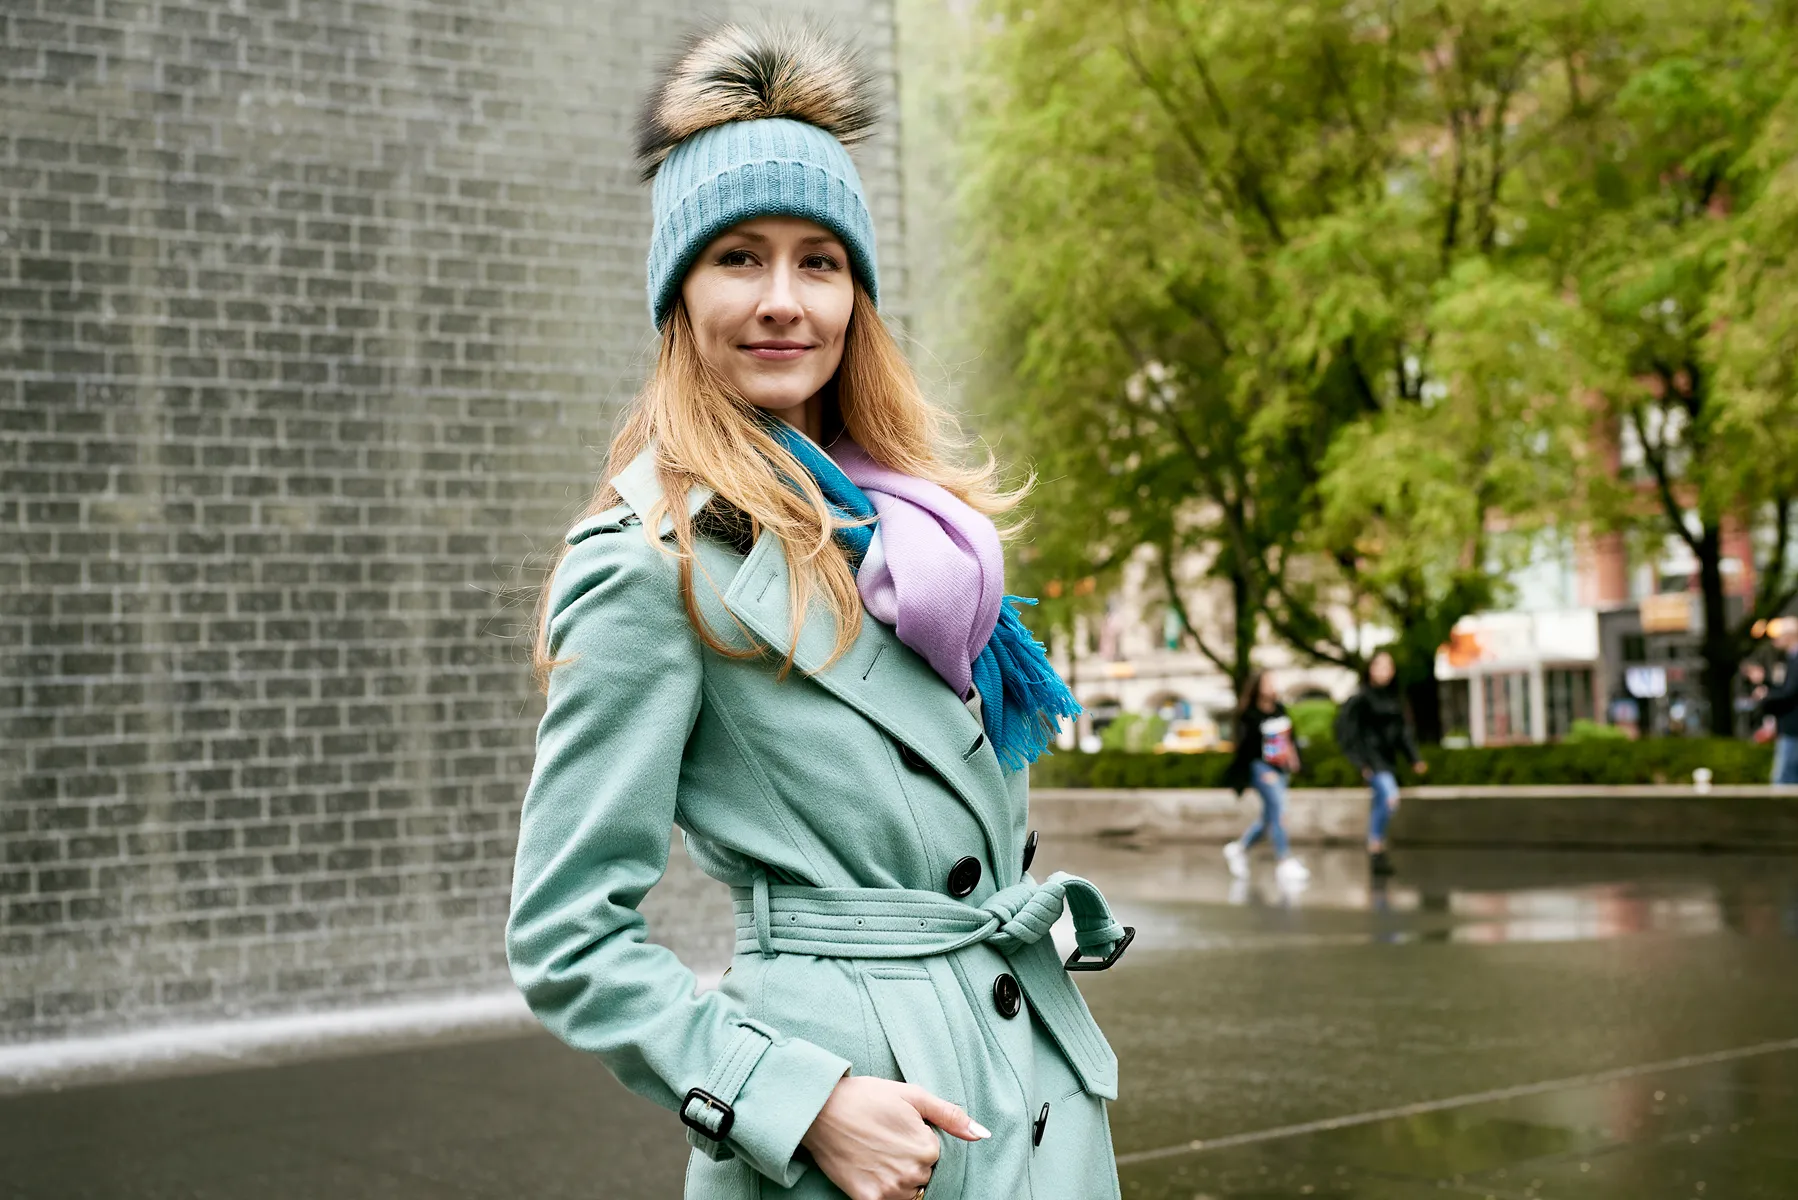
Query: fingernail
(979, 1130)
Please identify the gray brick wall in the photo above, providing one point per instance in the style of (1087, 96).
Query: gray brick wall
(313, 318)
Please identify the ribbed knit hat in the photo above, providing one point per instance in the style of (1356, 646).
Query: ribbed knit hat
(753, 124)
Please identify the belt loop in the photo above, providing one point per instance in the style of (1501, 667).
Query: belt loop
(764, 935)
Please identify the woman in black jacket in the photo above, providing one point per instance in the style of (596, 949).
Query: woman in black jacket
(1266, 756)
(1373, 734)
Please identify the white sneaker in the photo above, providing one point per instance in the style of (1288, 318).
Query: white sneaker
(1237, 858)
(1292, 873)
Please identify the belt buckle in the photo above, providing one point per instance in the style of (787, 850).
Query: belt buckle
(1076, 963)
(726, 1114)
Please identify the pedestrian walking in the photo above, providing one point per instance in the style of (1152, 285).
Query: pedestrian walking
(782, 627)
(1778, 703)
(1374, 734)
(1266, 757)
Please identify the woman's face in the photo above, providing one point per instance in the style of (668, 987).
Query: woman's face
(1380, 670)
(1268, 695)
(769, 301)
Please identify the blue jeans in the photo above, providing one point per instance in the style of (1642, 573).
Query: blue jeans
(1785, 760)
(1270, 783)
(1385, 799)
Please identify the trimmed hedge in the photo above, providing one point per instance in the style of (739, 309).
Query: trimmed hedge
(1655, 760)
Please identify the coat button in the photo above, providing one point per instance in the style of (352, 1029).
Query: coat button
(912, 758)
(1030, 849)
(1041, 1123)
(964, 876)
(1006, 996)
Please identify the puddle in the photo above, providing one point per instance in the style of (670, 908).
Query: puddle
(1184, 897)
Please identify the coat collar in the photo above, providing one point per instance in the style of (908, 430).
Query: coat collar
(639, 486)
(883, 679)
(880, 677)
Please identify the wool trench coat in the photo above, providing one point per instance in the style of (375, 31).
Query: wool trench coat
(853, 786)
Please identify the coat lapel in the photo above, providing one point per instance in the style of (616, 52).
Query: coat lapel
(886, 681)
(880, 677)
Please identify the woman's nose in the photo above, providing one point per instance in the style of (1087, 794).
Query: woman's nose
(780, 299)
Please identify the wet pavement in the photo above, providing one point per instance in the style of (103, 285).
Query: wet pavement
(1501, 1025)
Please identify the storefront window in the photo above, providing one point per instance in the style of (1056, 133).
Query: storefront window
(1568, 696)
(1507, 703)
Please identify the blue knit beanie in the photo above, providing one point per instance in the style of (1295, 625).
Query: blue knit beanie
(753, 124)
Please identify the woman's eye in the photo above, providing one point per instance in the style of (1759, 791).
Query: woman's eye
(736, 258)
(820, 262)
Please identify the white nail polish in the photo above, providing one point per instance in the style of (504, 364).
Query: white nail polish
(979, 1130)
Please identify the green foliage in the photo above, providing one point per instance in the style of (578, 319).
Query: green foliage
(1313, 724)
(1238, 268)
(1586, 730)
(1133, 732)
(1656, 760)
(1316, 305)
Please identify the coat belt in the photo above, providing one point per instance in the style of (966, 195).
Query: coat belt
(901, 923)
(891, 923)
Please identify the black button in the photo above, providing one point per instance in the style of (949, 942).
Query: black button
(1030, 849)
(964, 876)
(1042, 1123)
(912, 758)
(1006, 996)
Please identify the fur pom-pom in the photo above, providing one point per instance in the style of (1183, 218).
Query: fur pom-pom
(739, 74)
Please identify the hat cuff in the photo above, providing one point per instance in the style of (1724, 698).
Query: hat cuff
(767, 187)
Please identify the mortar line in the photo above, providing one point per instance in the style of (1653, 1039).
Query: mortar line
(1373, 1116)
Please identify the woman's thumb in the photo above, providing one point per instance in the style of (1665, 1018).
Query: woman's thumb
(946, 1116)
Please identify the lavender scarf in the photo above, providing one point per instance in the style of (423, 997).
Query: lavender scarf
(931, 567)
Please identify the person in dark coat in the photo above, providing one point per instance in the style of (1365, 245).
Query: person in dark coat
(1780, 702)
(1265, 759)
(1374, 734)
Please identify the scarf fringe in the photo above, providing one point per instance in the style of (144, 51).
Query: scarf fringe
(1032, 699)
(1022, 699)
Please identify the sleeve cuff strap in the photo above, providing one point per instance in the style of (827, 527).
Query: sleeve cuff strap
(775, 1087)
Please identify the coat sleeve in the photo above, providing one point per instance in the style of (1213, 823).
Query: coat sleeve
(1350, 734)
(594, 838)
(1407, 739)
(1783, 699)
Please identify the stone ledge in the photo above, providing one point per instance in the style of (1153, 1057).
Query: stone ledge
(1726, 817)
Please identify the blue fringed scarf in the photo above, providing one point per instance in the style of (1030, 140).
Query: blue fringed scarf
(913, 555)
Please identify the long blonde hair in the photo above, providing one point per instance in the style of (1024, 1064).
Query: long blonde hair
(705, 432)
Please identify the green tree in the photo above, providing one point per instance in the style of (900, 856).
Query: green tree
(1250, 305)
(1674, 205)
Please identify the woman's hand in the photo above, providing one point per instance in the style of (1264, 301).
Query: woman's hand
(873, 1137)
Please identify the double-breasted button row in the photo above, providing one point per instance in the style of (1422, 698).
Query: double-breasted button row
(1007, 999)
(964, 877)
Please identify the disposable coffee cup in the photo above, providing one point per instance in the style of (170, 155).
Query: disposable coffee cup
(1701, 779)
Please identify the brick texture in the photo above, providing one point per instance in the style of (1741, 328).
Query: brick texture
(314, 315)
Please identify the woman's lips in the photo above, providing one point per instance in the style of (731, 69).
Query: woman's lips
(776, 351)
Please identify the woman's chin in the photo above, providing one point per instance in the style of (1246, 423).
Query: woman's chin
(781, 402)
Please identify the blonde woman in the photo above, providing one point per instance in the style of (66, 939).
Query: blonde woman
(782, 628)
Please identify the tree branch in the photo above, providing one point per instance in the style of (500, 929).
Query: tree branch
(1655, 456)
(1166, 559)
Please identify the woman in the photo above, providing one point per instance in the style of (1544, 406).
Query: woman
(1373, 733)
(782, 628)
(1266, 757)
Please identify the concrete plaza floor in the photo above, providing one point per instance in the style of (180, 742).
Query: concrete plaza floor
(1492, 1024)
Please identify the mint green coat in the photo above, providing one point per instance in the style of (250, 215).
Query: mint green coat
(872, 774)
